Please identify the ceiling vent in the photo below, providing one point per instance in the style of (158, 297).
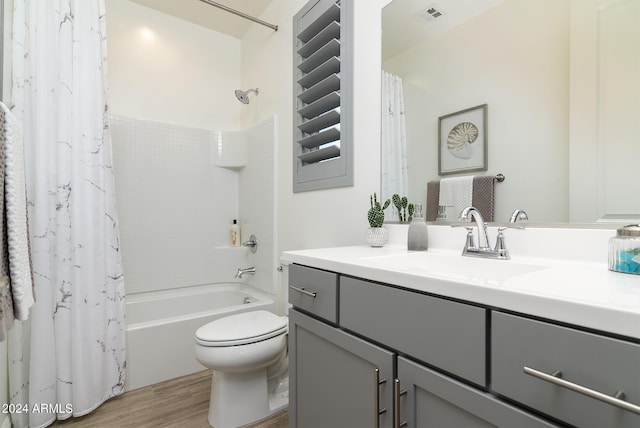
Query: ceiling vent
(431, 13)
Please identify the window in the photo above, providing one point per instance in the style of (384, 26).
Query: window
(323, 96)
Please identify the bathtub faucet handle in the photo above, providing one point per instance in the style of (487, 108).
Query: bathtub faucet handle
(242, 271)
(252, 243)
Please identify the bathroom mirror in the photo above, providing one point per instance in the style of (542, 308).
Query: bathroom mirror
(563, 98)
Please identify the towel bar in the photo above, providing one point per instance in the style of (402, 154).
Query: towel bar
(499, 178)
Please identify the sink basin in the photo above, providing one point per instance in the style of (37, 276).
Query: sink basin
(454, 266)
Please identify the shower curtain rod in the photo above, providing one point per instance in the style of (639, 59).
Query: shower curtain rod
(241, 14)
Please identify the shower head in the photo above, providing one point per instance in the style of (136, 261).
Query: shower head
(243, 96)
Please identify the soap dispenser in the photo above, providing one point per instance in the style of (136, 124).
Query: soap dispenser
(417, 236)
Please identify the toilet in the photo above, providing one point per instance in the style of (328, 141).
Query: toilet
(248, 355)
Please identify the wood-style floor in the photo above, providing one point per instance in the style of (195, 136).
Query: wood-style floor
(182, 402)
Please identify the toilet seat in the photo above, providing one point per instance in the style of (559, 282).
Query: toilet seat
(241, 329)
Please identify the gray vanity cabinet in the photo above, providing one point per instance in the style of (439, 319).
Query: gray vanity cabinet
(336, 379)
(427, 398)
(457, 364)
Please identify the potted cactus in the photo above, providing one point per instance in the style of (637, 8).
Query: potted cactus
(377, 235)
(402, 206)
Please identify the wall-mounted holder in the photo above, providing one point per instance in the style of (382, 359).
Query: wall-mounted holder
(229, 149)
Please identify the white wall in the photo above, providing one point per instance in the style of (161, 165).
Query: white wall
(326, 217)
(169, 70)
(525, 82)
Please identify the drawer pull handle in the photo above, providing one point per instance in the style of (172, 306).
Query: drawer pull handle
(303, 291)
(555, 378)
(396, 397)
(377, 383)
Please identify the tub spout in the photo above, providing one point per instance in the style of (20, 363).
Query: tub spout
(241, 271)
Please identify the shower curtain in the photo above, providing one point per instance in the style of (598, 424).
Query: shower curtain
(70, 356)
(394, 139)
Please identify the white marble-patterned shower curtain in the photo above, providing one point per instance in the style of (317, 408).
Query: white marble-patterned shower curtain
(70, 356)
(393, 140)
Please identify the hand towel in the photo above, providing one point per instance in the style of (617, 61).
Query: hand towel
(457, 194)
(484, 195)
(433, 200)
(15, 260)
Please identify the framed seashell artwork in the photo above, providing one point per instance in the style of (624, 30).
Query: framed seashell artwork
(462, 141)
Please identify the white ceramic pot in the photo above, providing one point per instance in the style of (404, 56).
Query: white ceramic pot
(377, 236)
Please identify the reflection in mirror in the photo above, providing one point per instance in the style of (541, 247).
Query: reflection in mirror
(563, 99)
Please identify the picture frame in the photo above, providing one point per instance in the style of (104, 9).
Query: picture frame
(462, 141)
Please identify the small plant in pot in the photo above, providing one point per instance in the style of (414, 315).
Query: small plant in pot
(377, 235)
(402, 206)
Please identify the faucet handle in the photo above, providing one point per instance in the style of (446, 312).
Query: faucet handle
(501, 248)
(469, 243)
(252, 243)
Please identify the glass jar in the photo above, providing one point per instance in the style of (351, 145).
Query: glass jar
(624, 250)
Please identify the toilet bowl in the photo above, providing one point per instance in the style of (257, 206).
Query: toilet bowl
(248, 355)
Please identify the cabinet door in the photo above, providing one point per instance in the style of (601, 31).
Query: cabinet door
(430, 399)
(333, 380)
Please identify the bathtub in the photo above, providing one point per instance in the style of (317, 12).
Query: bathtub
(161, 326)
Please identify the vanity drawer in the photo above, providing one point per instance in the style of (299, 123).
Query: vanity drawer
(314, 291)
(593, 361)
(442, 333)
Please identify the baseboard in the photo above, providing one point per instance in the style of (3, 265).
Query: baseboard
(5, 421)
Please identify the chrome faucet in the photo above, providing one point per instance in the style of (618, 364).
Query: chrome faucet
(471, 213)
(518, 215)
(242, 271)
(499, 252)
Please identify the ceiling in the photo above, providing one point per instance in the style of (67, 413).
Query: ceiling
(408, 16)
(203, 14)
(405, 14)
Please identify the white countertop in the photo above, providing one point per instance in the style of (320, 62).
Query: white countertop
(583, 294)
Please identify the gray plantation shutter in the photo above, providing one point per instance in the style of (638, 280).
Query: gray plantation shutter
(323, 101)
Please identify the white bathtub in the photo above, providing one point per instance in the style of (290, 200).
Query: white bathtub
(161, 327)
